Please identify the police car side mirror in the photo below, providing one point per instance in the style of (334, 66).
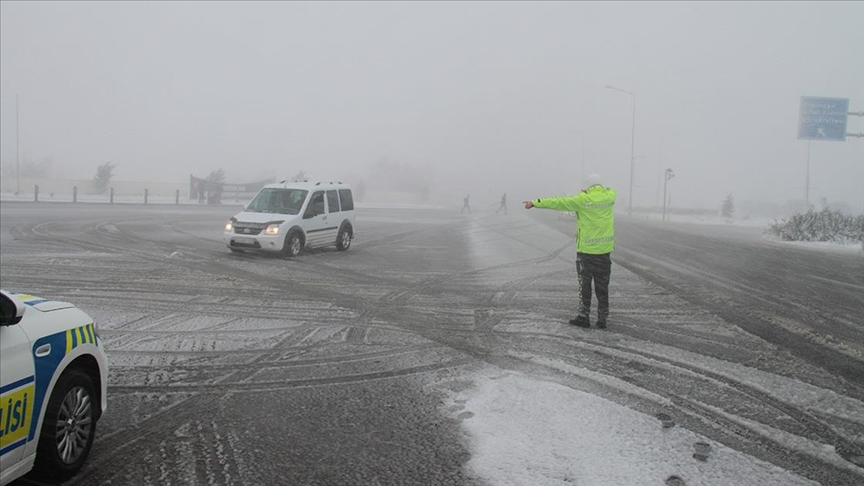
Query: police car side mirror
(11, 311)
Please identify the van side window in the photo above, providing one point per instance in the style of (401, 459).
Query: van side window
(332, 201)
(316, 205)
(347, 199)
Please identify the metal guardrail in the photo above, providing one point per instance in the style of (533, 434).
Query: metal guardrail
(75, 196)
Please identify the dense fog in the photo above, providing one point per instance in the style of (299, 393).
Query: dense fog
(442, 98)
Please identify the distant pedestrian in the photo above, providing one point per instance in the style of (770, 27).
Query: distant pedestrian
(595, 240)
(465, 204)
(503, 204)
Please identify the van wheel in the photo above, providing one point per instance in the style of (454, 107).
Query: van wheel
(343, 239)
(293, 245)
(69, 425)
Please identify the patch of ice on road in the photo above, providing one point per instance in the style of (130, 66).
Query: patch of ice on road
(529, 432)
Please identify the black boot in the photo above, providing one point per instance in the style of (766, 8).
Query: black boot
(601, 319)
(581, 321)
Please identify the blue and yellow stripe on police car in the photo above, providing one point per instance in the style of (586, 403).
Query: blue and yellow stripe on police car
(31, 300)
(60, 344)
(16, 413)
(80, 335)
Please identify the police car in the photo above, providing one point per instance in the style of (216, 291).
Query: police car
(53, 380)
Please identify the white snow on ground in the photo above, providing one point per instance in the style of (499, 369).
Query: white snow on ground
(525, 431)
(528, 432)
(833, 246)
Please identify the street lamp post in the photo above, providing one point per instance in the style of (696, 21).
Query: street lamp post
(632, 146)
(669, 175)
(660, 164)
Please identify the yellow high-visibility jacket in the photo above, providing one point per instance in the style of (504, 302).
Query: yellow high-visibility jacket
(595, 218)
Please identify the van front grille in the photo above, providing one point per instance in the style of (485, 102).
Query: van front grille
(249, 228)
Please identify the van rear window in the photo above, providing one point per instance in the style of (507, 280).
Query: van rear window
(347, 199)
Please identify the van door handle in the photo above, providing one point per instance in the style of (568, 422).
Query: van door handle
(43, 350)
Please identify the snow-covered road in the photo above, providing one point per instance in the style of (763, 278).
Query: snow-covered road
(435, 351)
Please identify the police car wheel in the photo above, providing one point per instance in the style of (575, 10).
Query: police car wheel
(292, 245)
(343, 240)
(69, 425)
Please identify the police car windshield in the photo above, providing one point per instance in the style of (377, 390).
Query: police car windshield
(279, 201)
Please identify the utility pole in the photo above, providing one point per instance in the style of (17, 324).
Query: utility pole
(17, 164)
(632, 158)
(807, 182)
(856, 135)
(659, 167)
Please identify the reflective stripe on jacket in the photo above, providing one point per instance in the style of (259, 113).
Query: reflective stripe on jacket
(595, 218)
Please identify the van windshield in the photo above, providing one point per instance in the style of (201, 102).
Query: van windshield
(278, 201)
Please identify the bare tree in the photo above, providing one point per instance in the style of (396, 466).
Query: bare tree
(104, 173)
(728, 206)
(216, 176)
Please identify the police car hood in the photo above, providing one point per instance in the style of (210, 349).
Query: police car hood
(41, 304)
(252, 217)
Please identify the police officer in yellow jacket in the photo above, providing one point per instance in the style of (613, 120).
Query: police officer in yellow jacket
(595, 240)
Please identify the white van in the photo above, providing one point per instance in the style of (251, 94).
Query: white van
(289, 216)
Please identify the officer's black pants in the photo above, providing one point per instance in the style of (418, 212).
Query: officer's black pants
(596, 269)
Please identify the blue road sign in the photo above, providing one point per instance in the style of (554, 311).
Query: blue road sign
(823, 118)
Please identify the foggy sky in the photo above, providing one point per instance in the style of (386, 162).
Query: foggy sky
(479, 97)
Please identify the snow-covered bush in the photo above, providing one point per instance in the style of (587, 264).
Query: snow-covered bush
(825, 225)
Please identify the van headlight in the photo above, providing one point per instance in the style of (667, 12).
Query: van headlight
(229, 225)
(272, 229)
